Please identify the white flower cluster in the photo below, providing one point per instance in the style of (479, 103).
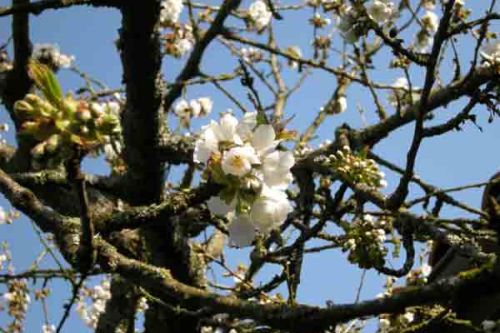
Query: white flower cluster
(355, 168)
(50, 55)
(347, 25)
(318, 21)
(251, 54)
(430, 21)
(365, 241)
(243, 157)
(7, 217)
(48, 328)
(194, 108)
(170, 11)
(386, 326)
(259, 15)
(98, 295)
(430, 24)
(179, 42)
(112, 148)
(18, 300)
(491, 52)
(381, 11)
(102, 108)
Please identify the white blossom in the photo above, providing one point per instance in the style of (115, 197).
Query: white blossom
(51, 55)
(381, 11)
(380, 235)
(217, 206)
(3, 216)
(184, 46)
(246, 126)
(423, 41)
(170, 11)
(8, 296)
(206, 105)
(409, 317)
(206, 144)
(430, 21)
(181, 108)
(346, 24)
(248, 151)
(186, 110)
(98, 295)
(241, 231)
(195, 107)
(48, 328)
(251, 54)
(259, 14)
(225, 130)
(350, 244)
(263, 138)
(270, 210)
(491, 52)
(238, 160)
(276, 169)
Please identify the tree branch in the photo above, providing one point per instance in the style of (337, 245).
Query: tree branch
(38, 7)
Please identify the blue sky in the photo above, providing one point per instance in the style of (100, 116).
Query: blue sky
(457, 158)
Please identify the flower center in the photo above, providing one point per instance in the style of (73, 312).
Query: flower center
(237, 162)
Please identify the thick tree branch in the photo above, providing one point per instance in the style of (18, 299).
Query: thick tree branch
(141, 121)
(143, 216)
(38, 7)
(48, 220)
(18, 83)
(160, 283)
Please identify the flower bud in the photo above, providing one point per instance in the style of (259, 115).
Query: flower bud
(38, 150)
(23, 108)
(52, 143)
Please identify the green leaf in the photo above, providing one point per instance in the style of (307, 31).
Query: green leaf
(46, 81)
